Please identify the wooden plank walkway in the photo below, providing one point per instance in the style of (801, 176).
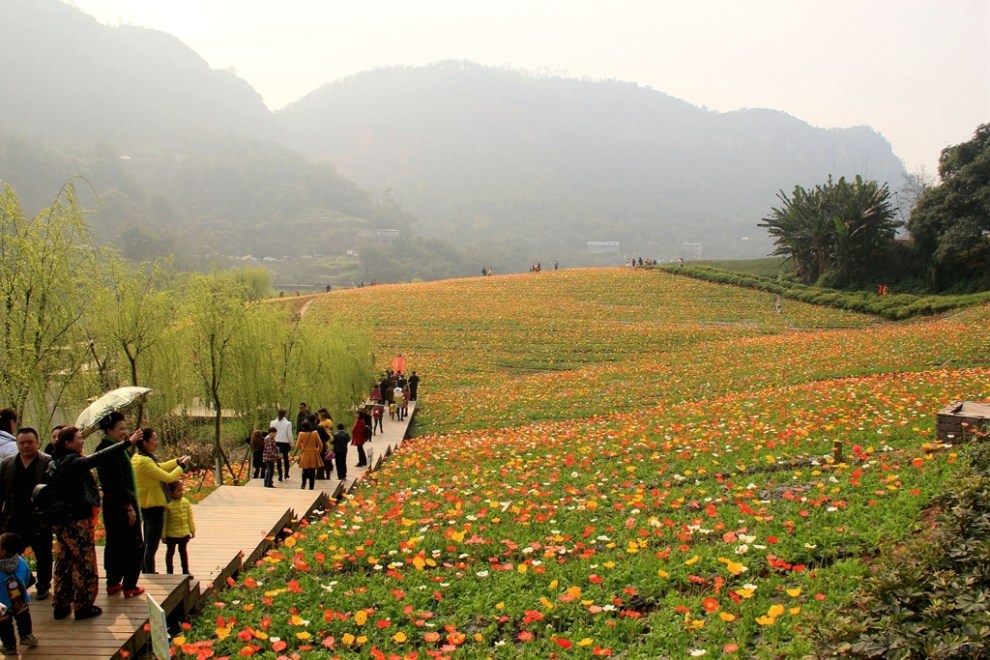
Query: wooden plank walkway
(235, 526)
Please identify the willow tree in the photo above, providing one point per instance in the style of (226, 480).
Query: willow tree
(284, 360)
(134, 310)
(44, 289)
(336, 366)
(216, 312)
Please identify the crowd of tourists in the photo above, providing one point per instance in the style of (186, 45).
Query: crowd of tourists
(54, 493)
(321, 447)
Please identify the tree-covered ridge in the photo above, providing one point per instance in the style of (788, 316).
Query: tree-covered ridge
(69, 78)
(498, 157)
(239, 198)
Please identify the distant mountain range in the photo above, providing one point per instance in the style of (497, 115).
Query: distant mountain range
(481, 154)
(504, 167)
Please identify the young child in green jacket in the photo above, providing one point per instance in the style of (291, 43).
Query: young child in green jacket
(179, 527)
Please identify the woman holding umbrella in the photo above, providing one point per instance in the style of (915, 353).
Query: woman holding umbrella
(123, 553)
(76, 573)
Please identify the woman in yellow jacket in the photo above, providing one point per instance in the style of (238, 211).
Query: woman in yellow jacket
(150, 477)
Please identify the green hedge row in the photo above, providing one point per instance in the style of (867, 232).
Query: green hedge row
(892, 306)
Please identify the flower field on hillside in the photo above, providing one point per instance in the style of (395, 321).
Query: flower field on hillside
(504, 351)
(672, 494)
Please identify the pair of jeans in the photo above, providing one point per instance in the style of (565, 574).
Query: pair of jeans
(154, 525)
(309, 474)
(270, 472)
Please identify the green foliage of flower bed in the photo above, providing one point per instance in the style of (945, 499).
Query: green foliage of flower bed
(894, 307)
(928, 597)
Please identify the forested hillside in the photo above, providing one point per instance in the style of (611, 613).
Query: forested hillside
(497, 156)
(67, 77)
(475, 166)
(174, 157)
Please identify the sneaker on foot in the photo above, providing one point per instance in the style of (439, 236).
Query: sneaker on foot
(131, 593)
(29, 641)
(114, 588)
(62, 612)
(43, 594)
(10, 650)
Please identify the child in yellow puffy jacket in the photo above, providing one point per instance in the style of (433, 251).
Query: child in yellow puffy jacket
(179, 527)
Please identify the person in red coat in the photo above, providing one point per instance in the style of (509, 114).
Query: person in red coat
(358, 437)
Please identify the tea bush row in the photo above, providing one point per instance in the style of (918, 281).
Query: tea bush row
(893, 307)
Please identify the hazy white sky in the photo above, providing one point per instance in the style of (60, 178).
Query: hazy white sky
(918, 71)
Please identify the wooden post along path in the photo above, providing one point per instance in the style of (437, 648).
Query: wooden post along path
(235, 526)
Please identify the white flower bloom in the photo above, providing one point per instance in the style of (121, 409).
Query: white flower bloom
(742, 549)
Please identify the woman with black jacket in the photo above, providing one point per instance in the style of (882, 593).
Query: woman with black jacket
(76, 574)
(123, 545)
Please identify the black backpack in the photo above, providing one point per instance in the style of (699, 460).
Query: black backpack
(50, 508)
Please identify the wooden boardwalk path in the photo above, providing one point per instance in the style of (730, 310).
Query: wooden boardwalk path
(235, 525)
